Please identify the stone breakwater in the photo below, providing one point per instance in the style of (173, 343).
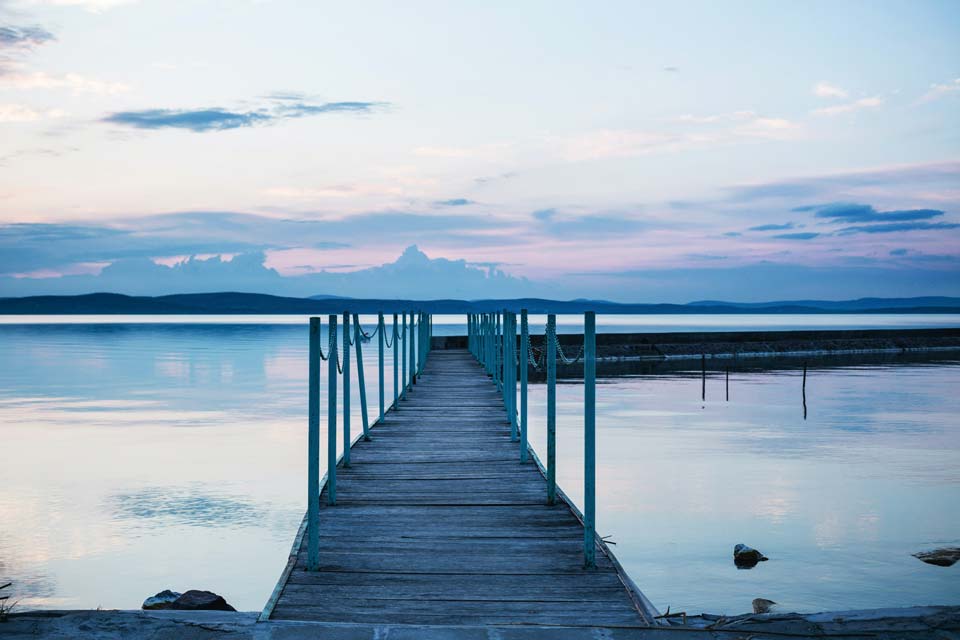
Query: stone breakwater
(623, 353)
(665, 345)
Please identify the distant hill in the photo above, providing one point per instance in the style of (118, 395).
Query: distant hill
(253, 303)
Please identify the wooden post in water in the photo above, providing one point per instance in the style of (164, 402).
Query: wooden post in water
(361, 383)
(551, 409)
(381, 327)
(589, 438)
(804, 390)
(346, 389)
(396, 358)
(703, 376)
(332, 411)
(313, 449)
(524, 365)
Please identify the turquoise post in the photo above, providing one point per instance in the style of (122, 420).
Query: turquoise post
(396, 368)
(524, 364)
(515, 427)
(488, 339)
(403, 370)
(484, 336)
(346, 389)
(512, 374)
(483, 342)
(589, 438)
(413, 354)
(490, 348)
(313, 449)
(498, 346)
(381, 327)
(551, 409)
(424, 340)
(361, 383)
(332, 411)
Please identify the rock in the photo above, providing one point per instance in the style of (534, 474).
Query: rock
(162, 600)
(945, 557)
(195, 600)
(746, 557)
(762, 605)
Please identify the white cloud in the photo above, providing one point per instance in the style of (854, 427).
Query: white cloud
(297, 193)
(939, 90)
(490, 151)
(615, 144)
(94, 6)
(720, 117)
(824, 90)
(23, 113)
(73, 81)
(731, 128)
(769, 128)
(848, 107)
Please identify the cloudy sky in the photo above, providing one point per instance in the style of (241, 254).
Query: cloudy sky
(625, 150)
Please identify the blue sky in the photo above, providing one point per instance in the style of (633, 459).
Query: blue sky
(633, 151)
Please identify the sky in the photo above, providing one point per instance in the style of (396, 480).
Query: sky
(647, 152)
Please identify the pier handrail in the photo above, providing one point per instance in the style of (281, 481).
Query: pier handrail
(492, 340)
(410, 353)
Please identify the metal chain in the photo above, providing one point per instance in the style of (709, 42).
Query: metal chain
(385, 338)
(563, 356)
(334, 353)
(366, 336)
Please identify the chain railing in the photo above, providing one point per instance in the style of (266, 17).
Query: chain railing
(492, 340)
(410, 353)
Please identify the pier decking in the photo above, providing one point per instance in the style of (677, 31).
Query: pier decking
(438, 522)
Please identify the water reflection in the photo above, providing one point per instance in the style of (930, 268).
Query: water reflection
(143, 457)
(838, 502)
(191, 505)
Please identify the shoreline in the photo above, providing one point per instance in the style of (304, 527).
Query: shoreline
(883, 624)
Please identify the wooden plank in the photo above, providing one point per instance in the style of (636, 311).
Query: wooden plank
(461, 613)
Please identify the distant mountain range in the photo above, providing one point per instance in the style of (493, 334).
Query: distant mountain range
(252, 303)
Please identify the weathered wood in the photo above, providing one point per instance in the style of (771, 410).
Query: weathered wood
(437, 522)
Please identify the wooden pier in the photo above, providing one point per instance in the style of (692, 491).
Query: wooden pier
(437, 522)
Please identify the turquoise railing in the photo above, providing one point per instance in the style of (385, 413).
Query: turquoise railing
(492, 340)
(410, 352)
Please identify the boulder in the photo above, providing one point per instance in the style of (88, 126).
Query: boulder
(163, 600)
(945, 557)
(195, 600)
(762, 605)
(746, 557)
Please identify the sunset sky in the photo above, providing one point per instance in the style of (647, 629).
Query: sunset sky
(625, 150)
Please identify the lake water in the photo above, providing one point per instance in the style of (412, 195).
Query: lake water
(138, 457)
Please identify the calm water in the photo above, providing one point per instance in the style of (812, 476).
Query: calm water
(138, 457)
